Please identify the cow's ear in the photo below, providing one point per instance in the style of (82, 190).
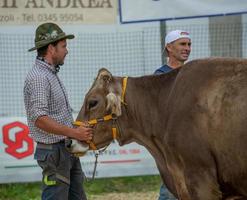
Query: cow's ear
(104, 76)
(113, 104)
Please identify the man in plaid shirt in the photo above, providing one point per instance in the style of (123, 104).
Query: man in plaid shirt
(49, 117)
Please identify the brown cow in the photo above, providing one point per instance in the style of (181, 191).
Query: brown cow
(192, 120)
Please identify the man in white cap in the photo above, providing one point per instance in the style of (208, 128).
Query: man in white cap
(177, 48)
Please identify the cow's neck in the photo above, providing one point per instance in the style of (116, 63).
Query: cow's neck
(146, 99)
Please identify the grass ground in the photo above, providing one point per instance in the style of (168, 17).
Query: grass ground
(131, 188)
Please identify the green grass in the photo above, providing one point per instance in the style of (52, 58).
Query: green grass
(31, 191)
(20, 191)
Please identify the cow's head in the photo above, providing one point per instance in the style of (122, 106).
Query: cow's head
(103, 99)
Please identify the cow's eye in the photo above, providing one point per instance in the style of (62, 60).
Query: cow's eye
(92, 103)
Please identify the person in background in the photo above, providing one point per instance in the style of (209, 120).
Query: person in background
(49, 117)
(177, 48)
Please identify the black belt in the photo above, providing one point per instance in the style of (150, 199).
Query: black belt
(49, 146)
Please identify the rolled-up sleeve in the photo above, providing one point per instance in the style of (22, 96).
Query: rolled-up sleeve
(38, 98)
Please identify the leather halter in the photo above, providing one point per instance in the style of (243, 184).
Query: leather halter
(109, 117)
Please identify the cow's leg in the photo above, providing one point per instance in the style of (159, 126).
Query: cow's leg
(167, 179)
(195, 185)
(203, 186)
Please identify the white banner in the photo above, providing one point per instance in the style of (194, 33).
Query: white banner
(154, 10)
(17, 163)
(29, 12)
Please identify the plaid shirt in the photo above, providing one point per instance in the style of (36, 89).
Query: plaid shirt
(44, 94)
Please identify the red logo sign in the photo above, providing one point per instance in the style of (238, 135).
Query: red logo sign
(15, 136)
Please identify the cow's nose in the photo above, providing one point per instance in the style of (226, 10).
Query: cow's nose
(68, 143)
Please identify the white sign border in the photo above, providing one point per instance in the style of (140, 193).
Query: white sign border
(174, 18)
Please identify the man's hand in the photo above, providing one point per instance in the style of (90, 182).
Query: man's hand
(83, 132)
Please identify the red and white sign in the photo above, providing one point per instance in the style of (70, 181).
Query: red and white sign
(18, 165)
(22, 145)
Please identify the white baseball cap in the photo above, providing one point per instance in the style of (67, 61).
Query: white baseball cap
(175, 35)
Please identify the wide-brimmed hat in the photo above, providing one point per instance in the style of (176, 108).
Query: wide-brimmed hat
(48, 33)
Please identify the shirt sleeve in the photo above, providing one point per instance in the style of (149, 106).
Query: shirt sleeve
(38, 100)
(158, 71)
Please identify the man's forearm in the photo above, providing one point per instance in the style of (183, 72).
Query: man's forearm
(49, 125)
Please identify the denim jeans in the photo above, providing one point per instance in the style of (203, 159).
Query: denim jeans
(62, 173)
(165, 194)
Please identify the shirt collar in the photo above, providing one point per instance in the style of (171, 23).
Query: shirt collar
(43, 63)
